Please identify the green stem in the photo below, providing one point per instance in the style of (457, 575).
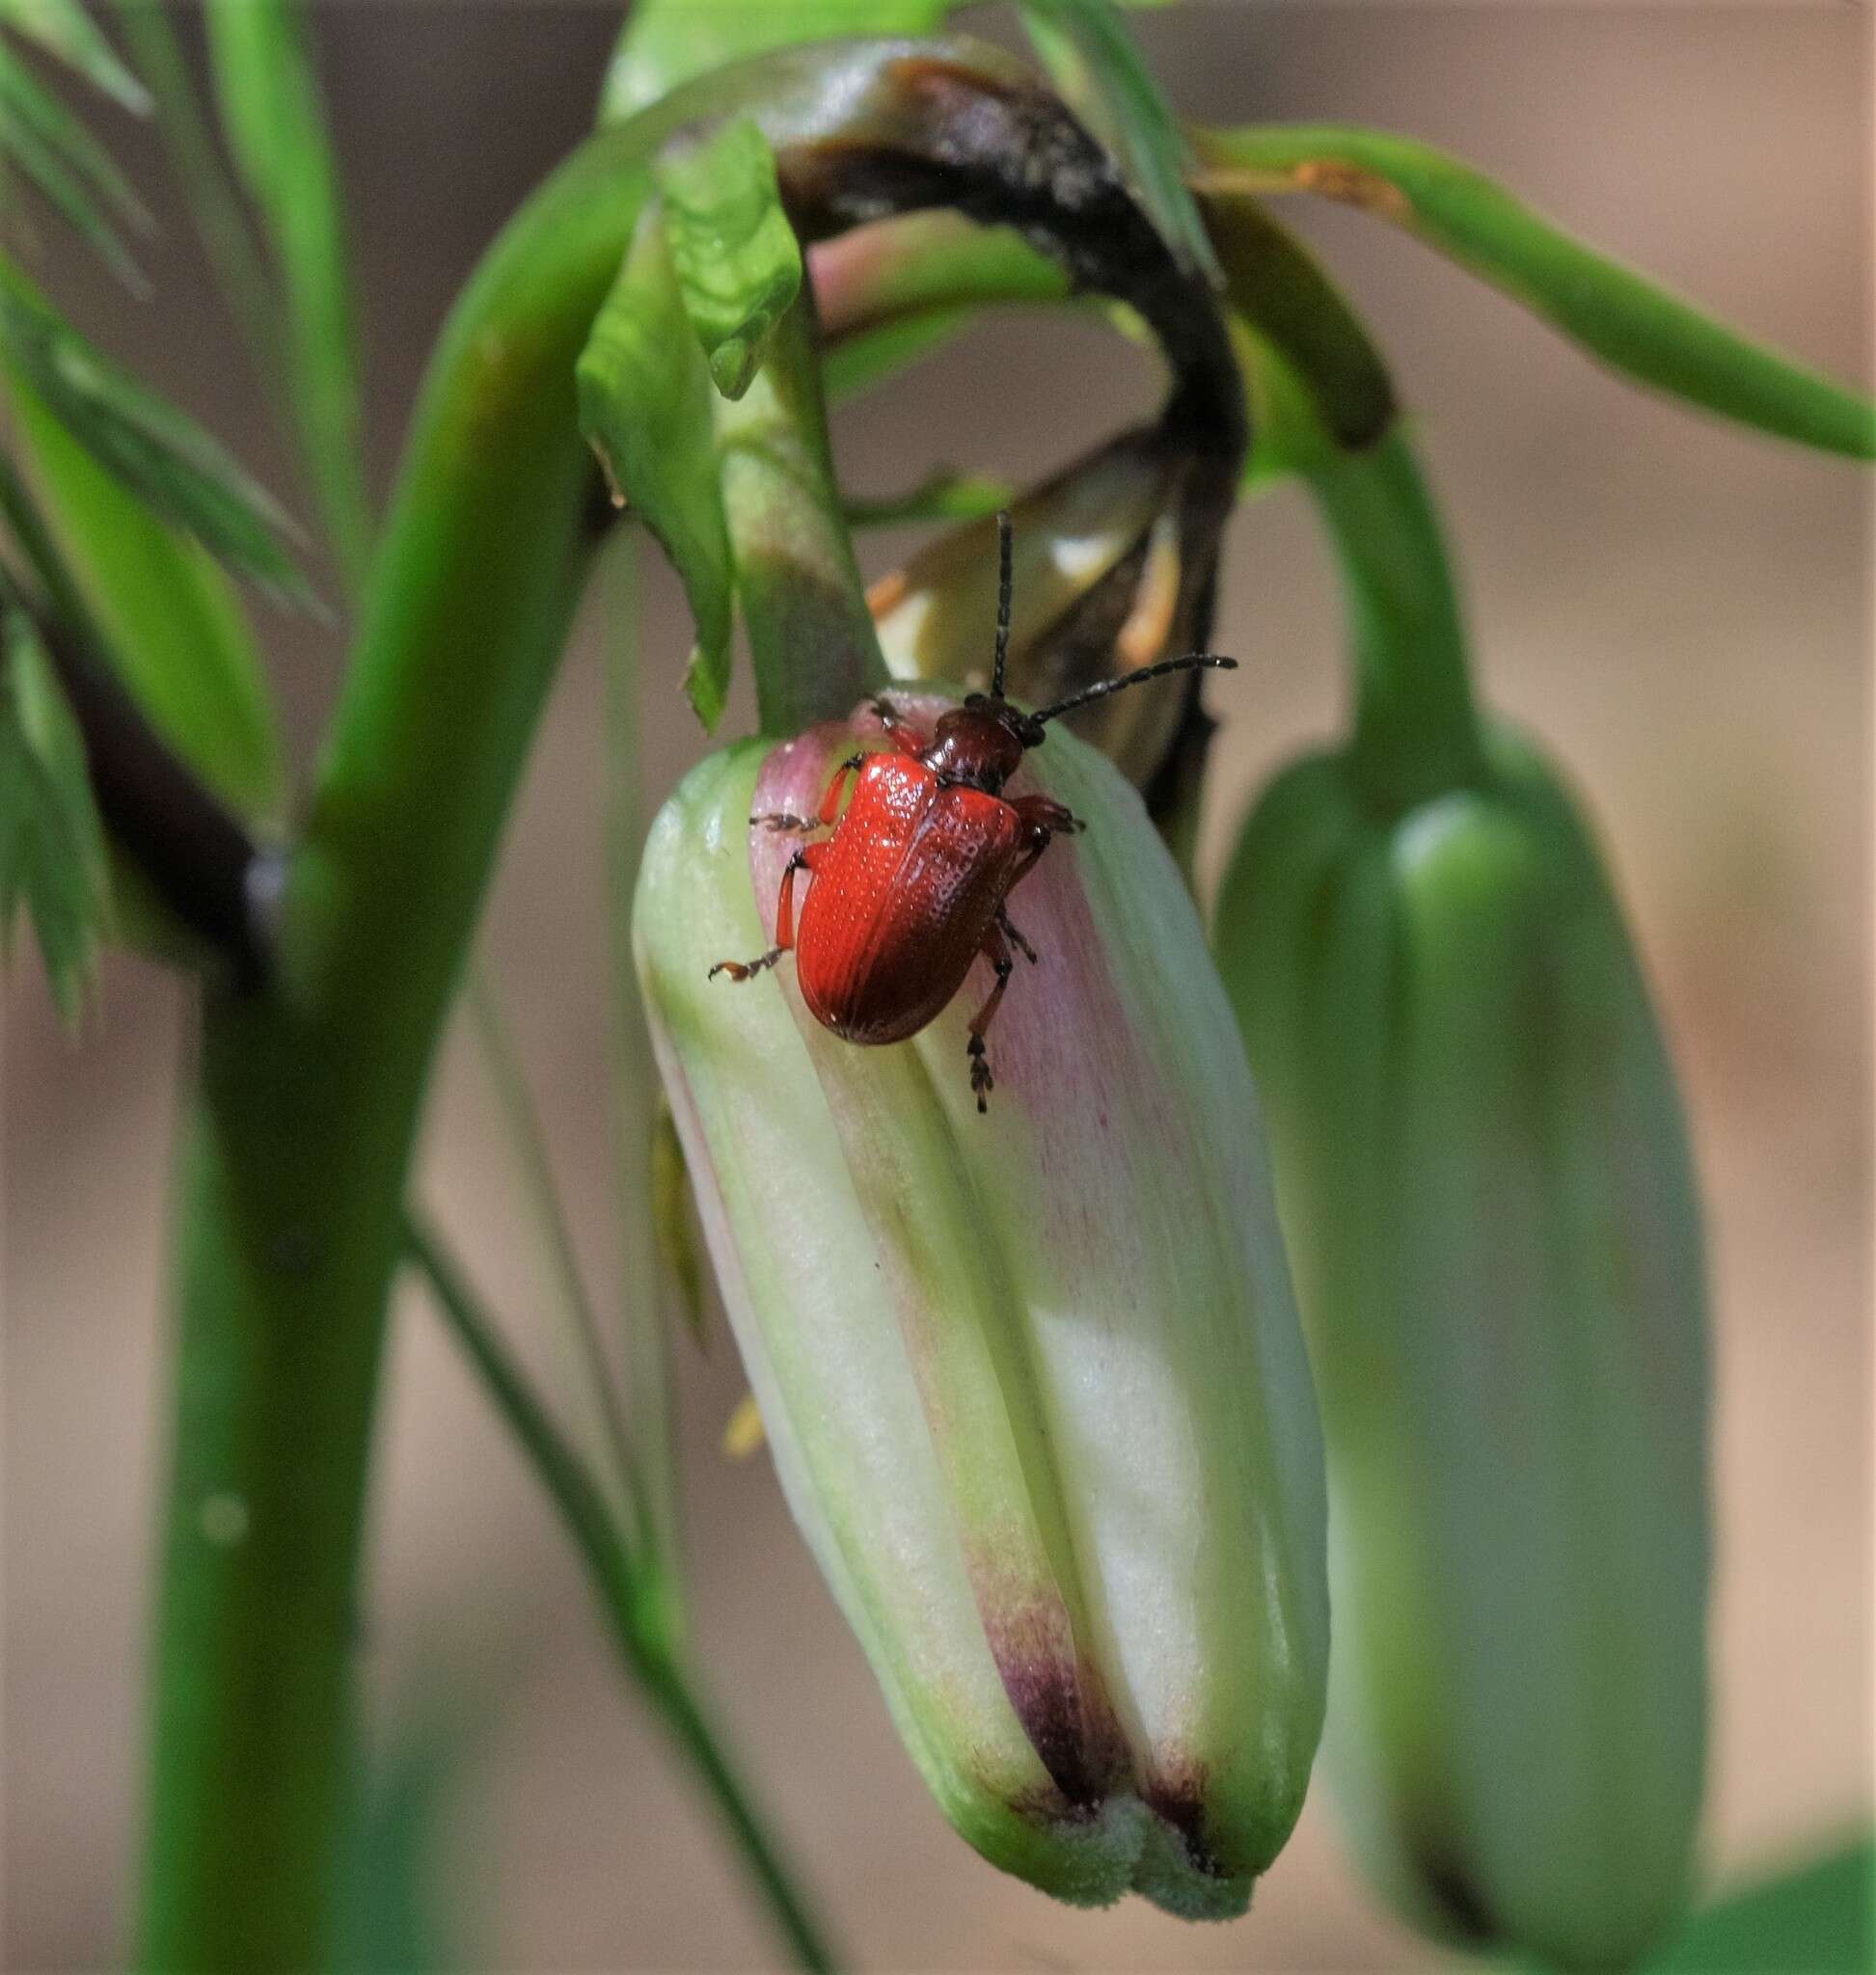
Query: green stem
(650, 1397)
(528, 1141)
(628, 1596)
(310, 1093)
(1416, 723)
(812, 644)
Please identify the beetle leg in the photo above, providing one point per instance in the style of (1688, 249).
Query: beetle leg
(803, 859)
(837, 787)
(1015, 937)
(994, 949)
(799, 825)
(1036, 840)
(907, 739)
(1047, 814)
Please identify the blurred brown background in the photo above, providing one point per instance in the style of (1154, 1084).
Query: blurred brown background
(1684, 611)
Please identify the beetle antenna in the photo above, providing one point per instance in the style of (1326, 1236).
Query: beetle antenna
(1005, 584)
(1192, 661)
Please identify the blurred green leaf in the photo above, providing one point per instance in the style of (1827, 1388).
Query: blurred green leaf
(1275, 290)
(221, 221)
(737, 261)
(154, 451)
(267, 88)
(173, 624)
(887, 294)
(1089, 50)
(63, 29)
(54, 152)
(650, 1397)
(53, 862)
(1631, 324)
(946, 496)
(859, 362)
(668, 41)
(1818, 1919)
(644, 406)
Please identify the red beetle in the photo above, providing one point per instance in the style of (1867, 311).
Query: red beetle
(910, 888)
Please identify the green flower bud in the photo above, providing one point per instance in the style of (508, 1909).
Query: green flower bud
(1486, 1187)
(1033, 1380)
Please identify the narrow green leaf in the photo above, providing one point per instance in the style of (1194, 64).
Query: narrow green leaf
(393, 1914)
(650, 1395)
(857, 362)
(63, 29)
(221, 221)
(1089, 49)
(173, 624)
(668, 41)
(156, 453)
(1820, 1918)
(267, 88)
(644, 406)
(1274, 285)
(612, 1456)
(1627, 322)
(946, 496)
(737, 261)
(53, 861)
(77, 176)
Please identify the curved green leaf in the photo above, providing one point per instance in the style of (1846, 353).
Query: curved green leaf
(668, 41)
(65, 30)
(946, 495)
(1627, 322)
(1281, 297)
(53, 861)
(267, 88)
(173, 624)
(1090, 51)
(1820, 1917)
(154, 451)
(646, 408)
(736, 257)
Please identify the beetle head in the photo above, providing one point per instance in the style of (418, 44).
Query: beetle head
(982, 743)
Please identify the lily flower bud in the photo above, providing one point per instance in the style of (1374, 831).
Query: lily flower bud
(1033, 1381)
(1115, 562)
(1490, 1204)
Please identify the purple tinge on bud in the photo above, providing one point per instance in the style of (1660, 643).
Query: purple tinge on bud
(1033, 1380)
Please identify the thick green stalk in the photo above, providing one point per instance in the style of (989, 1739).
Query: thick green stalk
(310, 1093)
(1416, 725)
(812, 644)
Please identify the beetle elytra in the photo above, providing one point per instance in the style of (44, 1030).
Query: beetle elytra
(911, 886)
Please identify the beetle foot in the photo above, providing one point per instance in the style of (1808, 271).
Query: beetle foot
(981, 1079)
(1017, 941)
(743, 970)
(783, 820)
